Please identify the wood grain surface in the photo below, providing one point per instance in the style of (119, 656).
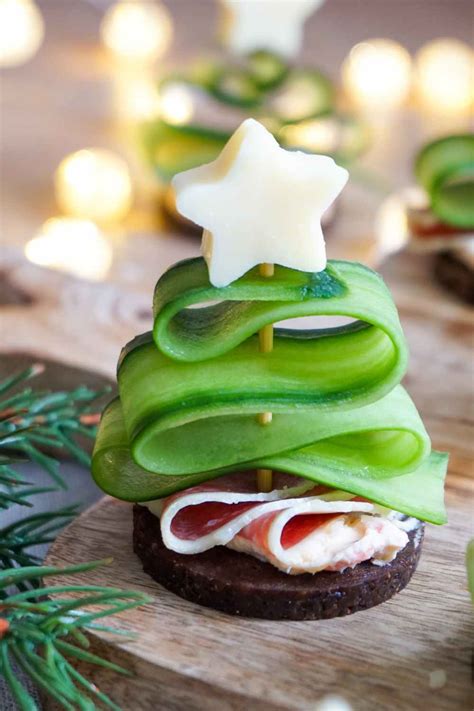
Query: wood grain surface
(194, 658)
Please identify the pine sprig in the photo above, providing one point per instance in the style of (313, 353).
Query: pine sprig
(43, 629)
(34, 530)
(33, 420)
(29, 422)
(43, 632)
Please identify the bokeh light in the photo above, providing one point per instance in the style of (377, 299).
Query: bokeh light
(71, 245)
(391, 224)
(444, 76)
(377, 74)
(95, 184)
(136, 96)
(176, 103)
(137, 31)
(318, 135)
(21, 31)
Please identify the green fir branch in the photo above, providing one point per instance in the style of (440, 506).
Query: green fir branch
(43, 632)
(34, 530)
(43, 629)
(32, 420)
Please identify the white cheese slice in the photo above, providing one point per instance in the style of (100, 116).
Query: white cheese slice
(259, 203)
(275, 25)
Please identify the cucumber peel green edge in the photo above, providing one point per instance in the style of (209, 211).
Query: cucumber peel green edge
(418, 493)
(470, 568)
(445, 168)
(327, 439)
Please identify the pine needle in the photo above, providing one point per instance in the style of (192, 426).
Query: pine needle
(44, 629)
(42, 632)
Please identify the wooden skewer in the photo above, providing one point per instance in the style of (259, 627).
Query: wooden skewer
(265, 476)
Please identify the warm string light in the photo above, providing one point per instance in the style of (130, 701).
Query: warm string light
(137, 31)
(444, 76)
(377, 74)
(94, 184)
(295, 100)
(21, 31)
(71, 245)
(317, 135)
(175, 104)
(136, 96)
(391, 225)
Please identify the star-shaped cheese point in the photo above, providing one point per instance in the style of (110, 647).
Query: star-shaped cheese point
(259, 204)
(274, 25)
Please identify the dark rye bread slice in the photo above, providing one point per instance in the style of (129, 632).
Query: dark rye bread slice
(239, 584)
(456, 274)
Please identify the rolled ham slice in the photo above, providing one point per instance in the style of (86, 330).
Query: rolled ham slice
(299, 528)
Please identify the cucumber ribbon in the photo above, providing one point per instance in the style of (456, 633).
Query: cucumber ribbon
(264, 83)
(445, 168)
(190, 391)
(171, 149)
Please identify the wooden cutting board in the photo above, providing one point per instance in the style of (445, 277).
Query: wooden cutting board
(189, 657)
(413, 652)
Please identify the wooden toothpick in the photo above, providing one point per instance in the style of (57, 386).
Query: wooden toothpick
(265, 476)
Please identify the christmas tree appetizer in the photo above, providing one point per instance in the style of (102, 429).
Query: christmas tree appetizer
(441, 219)
(299, 105)
(277, 473)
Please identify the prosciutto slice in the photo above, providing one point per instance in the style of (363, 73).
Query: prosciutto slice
(298, 527)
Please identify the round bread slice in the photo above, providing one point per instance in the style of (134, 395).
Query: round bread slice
(239, 584)
(454, 270)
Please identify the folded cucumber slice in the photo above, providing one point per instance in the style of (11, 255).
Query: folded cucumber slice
(418, 493)
(267, 69)
(305, 93)
(355, 137)
(344, 137)
(470, 568)
(197, 393)
(445, 168)
(190, 391)
(171, 149)
(251, 302)
(180, 426)
(236, 87)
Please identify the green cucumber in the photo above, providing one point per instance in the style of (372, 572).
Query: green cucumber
(355, 137)
(267, 69)
(236, 87)
(340, 136)
(470, 568)
(190, 392)
(418, 493)
(171, 149)
(305, 93)
(251, 302)
(445, 168)
(198, 392)
(185, 418)
(205, 381)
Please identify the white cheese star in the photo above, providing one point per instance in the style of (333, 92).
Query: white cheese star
(274, 25)
(259, 203)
